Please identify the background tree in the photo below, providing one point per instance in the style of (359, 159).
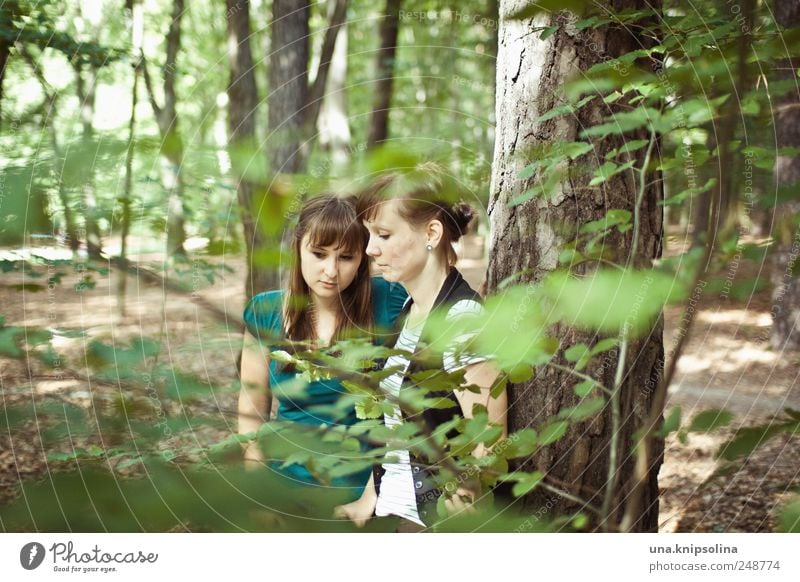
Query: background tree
(172, 148)
(242, 103)
(293, 104)
(384, 76)
(786, 283)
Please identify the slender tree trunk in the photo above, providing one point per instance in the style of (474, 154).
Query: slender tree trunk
(126, 196)
(137, 38)
(530, 74)
(785, 279)
(5, 51)
(379, 121)
(86, 99)
(242, 105)
(333, 124)
(69, 218)
(172, 144)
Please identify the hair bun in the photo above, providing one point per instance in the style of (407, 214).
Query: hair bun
(462, 214)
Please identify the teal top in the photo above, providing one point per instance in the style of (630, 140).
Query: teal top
(316, 403)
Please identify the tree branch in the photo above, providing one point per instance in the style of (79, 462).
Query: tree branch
(148, 83)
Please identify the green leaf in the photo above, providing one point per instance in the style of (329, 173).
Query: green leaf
(519, 444)
(527, 172)
(520, 373)
(611, 300)
(574, 149)
(623, 122)
(708, 420)
(548, 32)
(672, 422)
(576, 352)
(367, 408)
(608, 170)
(570, 257)
(499, 387)
(9, 342)
(792, 413)
(584, 388)
(553, 432)
(683, 195)
(580, 521)
(585, 409)
(746, 440)
(790, 517)
(604, 345)
(564, 110)
(629, 146)
(526, 483)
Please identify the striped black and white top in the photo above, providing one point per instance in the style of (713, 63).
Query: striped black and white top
(397, 494)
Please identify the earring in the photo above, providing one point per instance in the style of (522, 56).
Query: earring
(429, 247)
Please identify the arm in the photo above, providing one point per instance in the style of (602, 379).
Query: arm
(483, 375)
(254, 396)
(360, 510)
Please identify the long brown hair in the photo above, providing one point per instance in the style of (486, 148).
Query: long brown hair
(329, 220)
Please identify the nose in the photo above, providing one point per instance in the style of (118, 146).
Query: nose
(331, 268)
(372, 247)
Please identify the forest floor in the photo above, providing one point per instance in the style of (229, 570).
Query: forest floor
(727, 364)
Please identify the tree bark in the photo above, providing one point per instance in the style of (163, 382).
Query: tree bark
(525, 240)
(288, 85)
(242, 104)
(786, 284)
(379, 121)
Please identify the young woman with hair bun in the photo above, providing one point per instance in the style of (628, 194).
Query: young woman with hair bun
(412, 229)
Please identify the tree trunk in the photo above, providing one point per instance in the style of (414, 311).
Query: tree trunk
(51, 96)
(786, 283)
(530, 75)
(5, 50)
(288, 85)
(379, 121)
(242, 104)
(333, 125)
(136, 9)
(86, 100)
(171, 142)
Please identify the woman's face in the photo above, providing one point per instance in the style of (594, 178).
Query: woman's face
(397, 247)
(327, 270)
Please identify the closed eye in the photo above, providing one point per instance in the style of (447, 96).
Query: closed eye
(318, 254)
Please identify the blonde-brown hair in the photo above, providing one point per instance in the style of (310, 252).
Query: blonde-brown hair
(422, 197)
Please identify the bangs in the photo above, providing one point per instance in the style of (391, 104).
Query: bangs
(337, 226)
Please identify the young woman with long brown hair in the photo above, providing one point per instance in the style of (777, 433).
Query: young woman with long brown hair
(330, 296)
